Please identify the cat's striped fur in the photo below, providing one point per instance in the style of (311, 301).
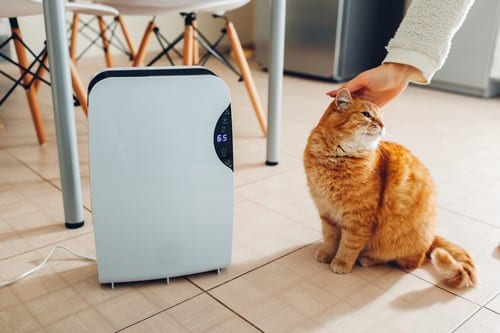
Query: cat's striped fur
(375, 199)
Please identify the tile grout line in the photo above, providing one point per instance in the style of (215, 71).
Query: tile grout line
(469, 217)
(47, 245)
(207, 291)
(251, 270)
(481, 307)
(201, 292)
(259, 179)
(26, 165)
(55, 187)
(466, 320)
(277, 212)
(488, 301)
(434, 284)
(234, 312)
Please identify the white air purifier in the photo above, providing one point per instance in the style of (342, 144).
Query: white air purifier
(161, 172)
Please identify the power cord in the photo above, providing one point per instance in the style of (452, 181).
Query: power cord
(40, 265)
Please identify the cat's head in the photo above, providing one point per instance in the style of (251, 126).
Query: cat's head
(353, 125)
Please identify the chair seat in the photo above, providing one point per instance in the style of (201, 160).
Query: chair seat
(154, 7)
(90, 8)
(19, 8)
(147, 7)
(32, 72)
(220, 6)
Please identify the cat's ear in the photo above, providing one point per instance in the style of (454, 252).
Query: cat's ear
(343, 99)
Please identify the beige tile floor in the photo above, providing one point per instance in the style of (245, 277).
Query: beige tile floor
(273, 283)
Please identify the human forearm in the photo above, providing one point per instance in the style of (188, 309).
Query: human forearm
(424, 36)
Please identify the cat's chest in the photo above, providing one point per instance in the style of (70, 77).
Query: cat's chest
(330, 182)
(328, 190)
(334, 191)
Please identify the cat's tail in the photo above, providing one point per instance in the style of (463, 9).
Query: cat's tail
(454, 263)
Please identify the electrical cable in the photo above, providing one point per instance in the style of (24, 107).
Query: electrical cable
(40, 265)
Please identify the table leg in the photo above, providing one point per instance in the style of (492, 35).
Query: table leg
(277, 51)
(62, 97)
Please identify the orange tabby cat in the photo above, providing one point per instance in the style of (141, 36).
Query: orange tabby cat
(375, 199)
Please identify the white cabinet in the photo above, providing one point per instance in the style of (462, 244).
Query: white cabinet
(471, 66)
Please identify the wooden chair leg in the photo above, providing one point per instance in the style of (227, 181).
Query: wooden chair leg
(30, 92)
(187, 55)
(196, 46)
(41, 72)
(247, 75)
(126, 35)
(36, 115)
(141, 52)
(74, 36)
(105, 42)
(78, 87)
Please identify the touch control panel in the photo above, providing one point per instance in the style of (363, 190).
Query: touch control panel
(223, 138)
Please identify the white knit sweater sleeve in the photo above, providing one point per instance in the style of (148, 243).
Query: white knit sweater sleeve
(423, 38)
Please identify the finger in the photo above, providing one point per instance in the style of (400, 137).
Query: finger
(332, 93)
(353, 86)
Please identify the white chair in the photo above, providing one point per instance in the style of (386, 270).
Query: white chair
(28, 74)
(84, 27)
(148, 8)
(31, 72)
(190, 54)
(218, 9)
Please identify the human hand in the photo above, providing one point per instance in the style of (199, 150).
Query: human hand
(381, 84)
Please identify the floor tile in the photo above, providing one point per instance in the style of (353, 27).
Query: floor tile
(17, 319)
(127, 309)
(273, 283)
(494, 304)
(259, 236)
(485, 321)
(41, 283)
(31, 208)
(286, 194)
(56, 305)
(284, 295)
(466, 232)
(85, 321)
(130, 303)
(199, 314)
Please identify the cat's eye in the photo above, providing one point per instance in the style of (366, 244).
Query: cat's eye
(366, 114)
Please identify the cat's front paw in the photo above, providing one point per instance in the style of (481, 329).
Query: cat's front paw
(340, 267)
(324, 255)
